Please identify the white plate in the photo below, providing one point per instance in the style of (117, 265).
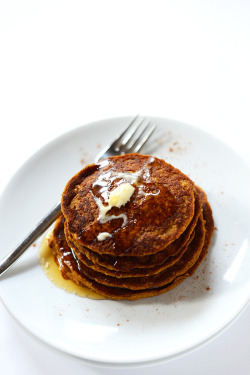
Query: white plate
(149, 330)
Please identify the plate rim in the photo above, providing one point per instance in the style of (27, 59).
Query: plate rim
(63, 137)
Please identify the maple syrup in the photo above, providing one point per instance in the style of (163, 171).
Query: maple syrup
(53, 273)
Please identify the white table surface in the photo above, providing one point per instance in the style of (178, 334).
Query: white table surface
(66, 63)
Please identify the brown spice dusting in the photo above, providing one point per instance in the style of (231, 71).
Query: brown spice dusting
(82, 161)
(181, 298)
(177, 147)
(159, 141)
(34, 244)
(208, 288)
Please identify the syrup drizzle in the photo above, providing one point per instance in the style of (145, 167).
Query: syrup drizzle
(108, 181)
(53, 273)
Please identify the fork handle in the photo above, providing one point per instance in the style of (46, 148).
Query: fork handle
(41, 227)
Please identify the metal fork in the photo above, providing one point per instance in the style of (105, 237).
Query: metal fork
(131, 140)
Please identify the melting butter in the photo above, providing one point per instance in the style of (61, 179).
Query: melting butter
(103, 236)
(121, 195)
(117, 197)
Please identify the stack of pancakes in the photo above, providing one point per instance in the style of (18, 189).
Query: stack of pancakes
(132, 226)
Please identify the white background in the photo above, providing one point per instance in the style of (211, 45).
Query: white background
(67, 63)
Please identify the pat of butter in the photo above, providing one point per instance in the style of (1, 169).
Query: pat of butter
(117, 198)
(121, 195)
(103, 236)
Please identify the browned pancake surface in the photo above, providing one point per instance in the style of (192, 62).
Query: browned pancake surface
(155, 280)
(161, 237)
(154, 219)
(63, 258)
(132, 264)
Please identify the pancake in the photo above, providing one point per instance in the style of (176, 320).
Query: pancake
(69, 267)
(134, 272)
(130, 264)
(159, 211)
(155, 280)
(132, 226)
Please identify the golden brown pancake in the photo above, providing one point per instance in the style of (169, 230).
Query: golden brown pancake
(135, 272)
(139, 243)
(130, 264)
(65, 258)
(155, 280)
(158, 212)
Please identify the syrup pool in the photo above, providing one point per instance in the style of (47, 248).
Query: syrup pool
(53, 273)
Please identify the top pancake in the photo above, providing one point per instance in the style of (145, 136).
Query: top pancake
(157, 213)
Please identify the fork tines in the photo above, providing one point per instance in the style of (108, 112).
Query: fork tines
(135, 135)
